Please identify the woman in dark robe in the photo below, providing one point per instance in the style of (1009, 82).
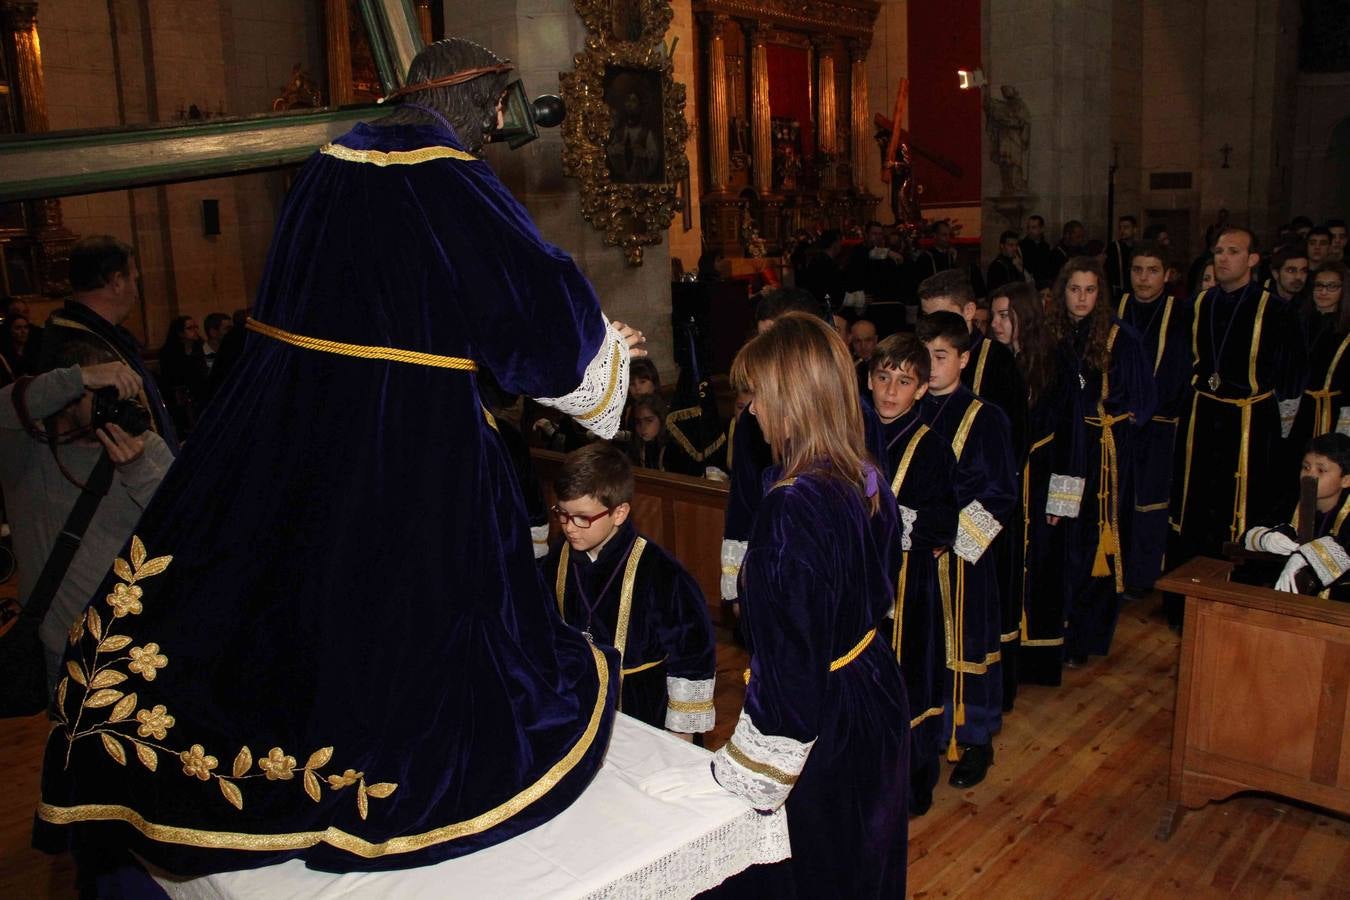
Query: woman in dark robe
(825, 727)
(1108, 388)
(1018, 320)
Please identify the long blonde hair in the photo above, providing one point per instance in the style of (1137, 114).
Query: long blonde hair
(806, 399)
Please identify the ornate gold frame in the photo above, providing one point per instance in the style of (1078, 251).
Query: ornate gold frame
(631, 215)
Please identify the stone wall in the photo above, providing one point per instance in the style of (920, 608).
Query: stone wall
(1320, 181)
(128, 62)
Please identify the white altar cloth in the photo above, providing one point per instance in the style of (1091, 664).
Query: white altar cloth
(614, 842)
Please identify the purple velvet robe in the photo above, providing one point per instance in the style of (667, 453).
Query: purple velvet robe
(339, 645)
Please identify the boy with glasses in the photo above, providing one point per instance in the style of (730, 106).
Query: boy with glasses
(622, 591)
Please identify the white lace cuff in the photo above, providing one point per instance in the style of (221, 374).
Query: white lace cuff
(732, 554)
(598, 401)
(1343, 421)
(1288, 410)
(1328, 559)
(539, 536)
(976, 529)
(1066, 496)
(759, 768)
(907, 518)
(689, 705)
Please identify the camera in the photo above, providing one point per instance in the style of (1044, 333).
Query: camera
(128, 415)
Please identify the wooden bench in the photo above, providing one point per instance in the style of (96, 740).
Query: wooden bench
(1263, 694)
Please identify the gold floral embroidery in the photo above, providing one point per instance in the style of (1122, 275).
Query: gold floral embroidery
(197, 763)
(147, 660)
(101, 685)
(278, 766)
(154, 722)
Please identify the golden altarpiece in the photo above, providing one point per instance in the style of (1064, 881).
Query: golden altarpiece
(783, 124)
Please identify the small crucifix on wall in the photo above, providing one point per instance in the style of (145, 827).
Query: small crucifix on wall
(1225, 150)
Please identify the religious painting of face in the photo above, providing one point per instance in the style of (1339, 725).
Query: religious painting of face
(634, 149)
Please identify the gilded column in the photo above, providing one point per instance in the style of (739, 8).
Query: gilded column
(719, 144)
(338, 28)
(424, 19)
(761, 131)
(825, 103)
(20, 20)
(858, 119)
(54, 240)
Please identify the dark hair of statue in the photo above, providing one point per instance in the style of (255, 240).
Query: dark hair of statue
(470, 107)
(1096, 354)
(599, 470)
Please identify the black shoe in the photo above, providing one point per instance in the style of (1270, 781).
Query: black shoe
(972, 768)
(920, 799)
(1076, 661)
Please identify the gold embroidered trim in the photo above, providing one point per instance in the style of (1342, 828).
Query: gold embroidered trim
(924, 716)
(905, 460)
(1152, 507)
(759, 768)
(395, 157)
(976, 668)
(978, 381)
(615, 358)
(690, 706)
(1043, 642)
(227, 840)
(625, 600)
(644, 667)
(786, 482)
(691, 412)
(1010, 636)
(963, 430)
(364, 351)
(731, 570)
(853, 654)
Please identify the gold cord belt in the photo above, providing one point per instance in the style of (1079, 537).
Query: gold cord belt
(1322, 409)
(1108, 500)
(844, 660)
(1238, 525)
(364, 351)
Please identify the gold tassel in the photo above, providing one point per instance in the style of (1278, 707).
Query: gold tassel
(953, 754)
(961, 714)
(1107, 545)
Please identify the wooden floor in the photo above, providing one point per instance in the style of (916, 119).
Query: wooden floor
(1069, 808)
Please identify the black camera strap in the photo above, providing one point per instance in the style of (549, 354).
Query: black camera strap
(68, 541)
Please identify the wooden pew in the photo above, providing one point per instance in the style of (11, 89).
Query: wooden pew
(1263, 694)
(682, 514)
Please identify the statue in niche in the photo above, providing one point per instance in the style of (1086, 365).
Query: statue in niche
(1007, 122)
(626, 20)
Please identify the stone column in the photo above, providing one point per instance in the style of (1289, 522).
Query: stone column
(761, 131)
(825, 103)
(20, 21)
(860, 129)
(337, 27)
(719, 144)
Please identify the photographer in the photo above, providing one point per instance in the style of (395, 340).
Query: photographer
(54, 429)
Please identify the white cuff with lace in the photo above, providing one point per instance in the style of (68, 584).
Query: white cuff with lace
(732, 554)
(759, 768)
(976, 529)
(689, 705)
(539, 537)
(597, 403)
(1327, 557)
(1066, 496)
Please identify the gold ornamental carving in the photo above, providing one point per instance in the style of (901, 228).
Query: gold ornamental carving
(625, 132)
